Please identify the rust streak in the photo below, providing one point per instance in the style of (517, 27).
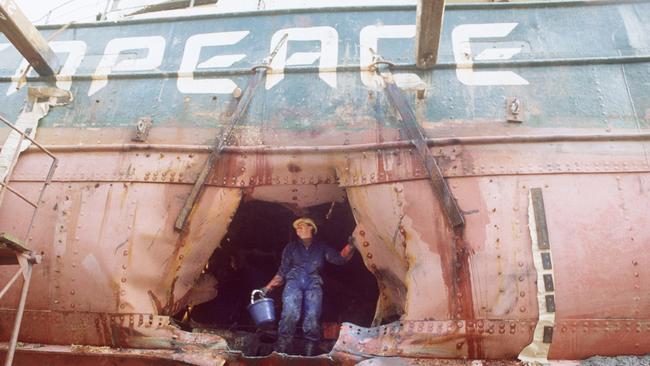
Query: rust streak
(464, 296)
(293, 168)
(107, 210)
(156, 302)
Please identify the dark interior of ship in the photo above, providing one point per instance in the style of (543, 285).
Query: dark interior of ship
(249, 256)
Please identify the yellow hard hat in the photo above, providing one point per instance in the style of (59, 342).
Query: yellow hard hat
(305, 220)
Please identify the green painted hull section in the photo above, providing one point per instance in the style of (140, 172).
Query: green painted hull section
(587, 66)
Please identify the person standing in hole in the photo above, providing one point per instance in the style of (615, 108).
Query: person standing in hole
(300, 268)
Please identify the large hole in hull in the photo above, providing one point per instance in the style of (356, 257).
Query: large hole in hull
(249, 256)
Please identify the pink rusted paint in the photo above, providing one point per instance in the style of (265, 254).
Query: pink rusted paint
(113, 260)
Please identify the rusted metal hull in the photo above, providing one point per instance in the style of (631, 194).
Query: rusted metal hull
(114, 268)
(553, 249)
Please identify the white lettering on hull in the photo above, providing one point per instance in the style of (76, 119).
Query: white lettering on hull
(76, 51)
(187, 83)
(460, 39)
(368, 42)
(110, 61)
(117, 58)
(328, 55)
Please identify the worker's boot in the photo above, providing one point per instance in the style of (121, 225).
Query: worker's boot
(281, 346)
(311, 348)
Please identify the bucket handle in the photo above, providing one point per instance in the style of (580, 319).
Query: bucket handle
(255, 292)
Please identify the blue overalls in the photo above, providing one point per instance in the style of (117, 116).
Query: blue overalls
(300, 268)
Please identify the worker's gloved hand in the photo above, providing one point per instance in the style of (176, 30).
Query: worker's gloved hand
(264, 291)
(352, 242)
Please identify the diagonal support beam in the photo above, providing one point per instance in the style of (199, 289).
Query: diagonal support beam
(428, 28)
(414, 133)
(27, 39)
(208, 167)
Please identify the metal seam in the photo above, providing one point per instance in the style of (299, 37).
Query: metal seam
(577, 61)
(447, 141)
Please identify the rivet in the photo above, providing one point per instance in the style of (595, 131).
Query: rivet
(369, 255)
(365, 244)
(362, 233)
(125, 253)
(123, 279)
(71, 292)
(522, 309)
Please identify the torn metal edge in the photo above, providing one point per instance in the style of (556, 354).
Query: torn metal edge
(537, 351)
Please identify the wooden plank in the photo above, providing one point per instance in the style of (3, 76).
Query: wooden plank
(208, 167)
(27, 39)
(12, 243)
(428, 28)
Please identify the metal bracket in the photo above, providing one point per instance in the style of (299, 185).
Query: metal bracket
(414, 132)
(514, 110)
(142, 128)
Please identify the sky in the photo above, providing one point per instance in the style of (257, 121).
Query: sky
(64, 11)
